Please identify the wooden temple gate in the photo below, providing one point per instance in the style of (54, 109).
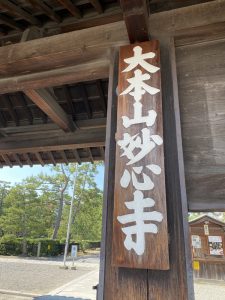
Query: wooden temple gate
(58, 83)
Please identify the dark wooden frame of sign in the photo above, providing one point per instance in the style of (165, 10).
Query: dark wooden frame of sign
(176, 283)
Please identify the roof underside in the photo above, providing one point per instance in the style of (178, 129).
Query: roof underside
(65, 123)
(28, 136)
(58, 16)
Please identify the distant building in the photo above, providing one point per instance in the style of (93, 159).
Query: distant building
(208, 247)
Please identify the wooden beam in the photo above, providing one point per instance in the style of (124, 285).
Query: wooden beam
(47, 103)
(9, 106)
(68, 49)
(27, 157)
(3, 121)
(39, 158)
(11, 23)
(102, 96)
(52, 158)
(88, 71)
(19, 12)
(97, 5)
(16, 156)
(31, 33)
(90, 155)
(51, 127)
(77, 156)
(78, 139)
(71, 8)
(135, 13)
(102, 151)
(26, 108)
(7, 160)
(85, 99)
(64, 157)
(69, 101)
(89, 21)
(46, 10)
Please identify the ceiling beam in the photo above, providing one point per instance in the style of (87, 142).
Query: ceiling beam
(51, 158)
(102, 96)
(7, 160)
(27, 158)
(97, 5)
(85, 100)
(46, 10)
(11, 23)
(85, 72)
(10, 108)
(90, 155)
(135, 13)
(64, 157)
(48, 104)
(78, 139)
(77, 156)
(39, 158)
(17, 159)
(75, 12)
(69, 49)
(19, 12)
(51, 127)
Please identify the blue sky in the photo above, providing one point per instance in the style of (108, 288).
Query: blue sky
(17, 174)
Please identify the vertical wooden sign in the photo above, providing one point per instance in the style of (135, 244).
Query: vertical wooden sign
(140, 238)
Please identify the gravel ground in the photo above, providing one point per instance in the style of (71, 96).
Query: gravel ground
(35, 278)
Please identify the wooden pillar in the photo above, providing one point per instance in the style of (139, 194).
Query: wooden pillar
(135, 284)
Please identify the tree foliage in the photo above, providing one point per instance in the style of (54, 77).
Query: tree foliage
(39, 206)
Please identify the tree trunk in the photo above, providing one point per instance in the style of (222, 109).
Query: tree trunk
(59, 216)
(60, 208)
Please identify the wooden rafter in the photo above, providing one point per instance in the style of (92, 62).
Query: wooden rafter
(51, 127)
(97, 5)
(39, 158)
(64, 157)
(3, 121)
(11, 23)
(101, 96)
(7, 160)
(77, 156)
(17, 159)
(90, 155)
(48, 104)
(19, 12)
(27, 157)
(102, 151)
(52, 158)
(10, 108)
(135, 14)
(71, 8)
(85, 99)
(69, 101)
(46, 10)
(93, 138)
(26, 108)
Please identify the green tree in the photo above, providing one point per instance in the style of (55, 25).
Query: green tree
(25, 213)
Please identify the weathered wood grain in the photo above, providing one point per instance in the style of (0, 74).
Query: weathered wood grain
(201, 81)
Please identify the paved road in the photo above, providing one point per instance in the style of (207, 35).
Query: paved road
(45, 277)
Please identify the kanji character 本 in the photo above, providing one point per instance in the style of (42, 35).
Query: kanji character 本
(139, 216)
(145, 143)
(147, 183)
(139, 59)
(138, 86)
